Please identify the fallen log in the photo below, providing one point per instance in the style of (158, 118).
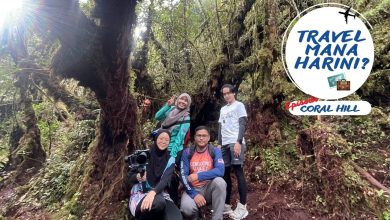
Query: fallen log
(370, 178)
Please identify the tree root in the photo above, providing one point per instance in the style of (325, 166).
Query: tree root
(370, 178)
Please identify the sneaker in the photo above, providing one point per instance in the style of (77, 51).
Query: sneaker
(227, 209)
(240, 212)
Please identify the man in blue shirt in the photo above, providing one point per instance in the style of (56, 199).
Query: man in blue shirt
(201, 172)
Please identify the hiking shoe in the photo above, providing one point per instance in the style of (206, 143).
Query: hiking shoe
(240, 212)
(227, 209)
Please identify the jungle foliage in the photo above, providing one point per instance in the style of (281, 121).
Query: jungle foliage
(72, 105)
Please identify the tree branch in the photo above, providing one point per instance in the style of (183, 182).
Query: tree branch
(370, 178)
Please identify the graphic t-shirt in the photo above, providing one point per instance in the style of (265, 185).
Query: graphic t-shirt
(201, 162)
(229, 121)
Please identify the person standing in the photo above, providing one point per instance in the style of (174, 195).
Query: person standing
(232, 123)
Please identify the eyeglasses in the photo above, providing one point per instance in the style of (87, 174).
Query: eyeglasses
(202, 136)
(226, 93)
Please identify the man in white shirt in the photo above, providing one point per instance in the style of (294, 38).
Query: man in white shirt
(232, 123)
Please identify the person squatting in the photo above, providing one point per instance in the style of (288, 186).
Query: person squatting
(202, 170)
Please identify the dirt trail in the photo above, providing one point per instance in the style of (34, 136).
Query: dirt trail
(276, 205)
(12, 205)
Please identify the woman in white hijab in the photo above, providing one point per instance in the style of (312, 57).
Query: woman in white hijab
(175, 117)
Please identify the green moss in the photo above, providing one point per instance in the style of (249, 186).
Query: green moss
(376, 14)
(64, 169)
(275, 163)
(74, 206)
(219, 61)
(3, 151)
(6, 127)
(75, 176)
(386, 215)
(47, 123)
(133, 77)
(72, 209)
(354, 184)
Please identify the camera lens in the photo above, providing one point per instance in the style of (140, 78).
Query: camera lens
(142, 158)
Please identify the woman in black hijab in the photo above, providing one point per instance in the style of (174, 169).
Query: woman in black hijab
(156, 203)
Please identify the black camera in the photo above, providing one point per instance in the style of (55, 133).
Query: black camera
(137, 164)
(138, 160)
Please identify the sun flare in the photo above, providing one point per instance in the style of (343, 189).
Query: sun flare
(9, 9)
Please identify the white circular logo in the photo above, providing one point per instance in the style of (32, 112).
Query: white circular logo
(329, 52)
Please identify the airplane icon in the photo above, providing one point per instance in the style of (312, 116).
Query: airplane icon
(346, 14)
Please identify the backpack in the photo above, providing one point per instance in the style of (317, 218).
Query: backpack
(187, 138)
(210, 149)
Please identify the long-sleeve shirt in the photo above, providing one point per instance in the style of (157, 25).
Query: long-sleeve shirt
(164, 180)
(202, 164)
(241, 130)
(232, 121)
(178, 133)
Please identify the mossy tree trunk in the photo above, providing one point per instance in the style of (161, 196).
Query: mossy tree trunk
(225, 69)
(144, 83)
(27, 155)
(96, 53)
